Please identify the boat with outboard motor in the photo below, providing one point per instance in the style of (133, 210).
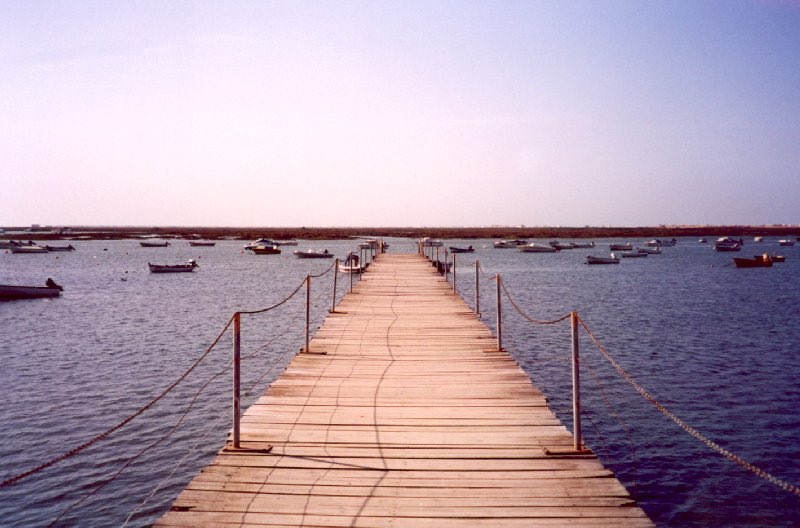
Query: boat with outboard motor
(173, 268)
(468, 249)
(69, 247)
(612, 259)
(265, 250)
(28, 249)
(759, 261)
(154, 244)
(620, 247)
(533, 247)
(198, 243)
(9, 292)
(728, 244)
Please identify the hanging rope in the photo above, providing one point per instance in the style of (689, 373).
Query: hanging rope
(252, 312)
(486, 275)
(526, 316)
(74, 451)
(324, 272)
(791, 488)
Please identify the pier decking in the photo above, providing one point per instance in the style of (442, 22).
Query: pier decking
(411, 418)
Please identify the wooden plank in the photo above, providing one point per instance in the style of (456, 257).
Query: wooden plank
(410, 419)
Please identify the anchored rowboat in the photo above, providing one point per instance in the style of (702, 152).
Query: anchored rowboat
(9, 292)
(173, 268)
(154, 244)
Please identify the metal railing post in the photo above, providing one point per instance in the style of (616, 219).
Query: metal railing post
(576, 384)
(351, 272)
(335, 279)
(308, 307)
(499, 316)
(437, 258)
(446, 264)
(477, 289)
(360, 262)
(237, 343)
(454, 273)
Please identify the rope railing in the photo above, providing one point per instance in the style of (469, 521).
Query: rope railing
(74, 451)
(526, 316)
(791, 488)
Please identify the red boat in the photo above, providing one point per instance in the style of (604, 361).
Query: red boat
(759, 261)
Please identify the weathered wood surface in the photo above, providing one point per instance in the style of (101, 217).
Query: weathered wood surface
(410, 419)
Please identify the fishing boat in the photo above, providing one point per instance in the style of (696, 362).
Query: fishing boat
(562, 245)
(197, 243)
(10, 292)
(469, 249)
(286, 242)
(759, 261)
(265, 250)
(728, 244)
(28, 249)
(786, 242)
(582, 245)
(261, 242)
(621, 247)
(70, 247)
(612, 259)
(351, 264)
(154, 244)
(533, 247)
(8, 244)
(649, 250)
(507, 244)
(634, 254)
(320, 253)
(429, 242)
(173, 268)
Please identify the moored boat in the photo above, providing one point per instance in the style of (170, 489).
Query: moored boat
(777, 258)
(70, 247)
(351, 264)
(285, 242)
(507, 244)
(154, 244)
(582, 245)
(612, 259)
(634, 254)
(10, 292)
(468, 249)
(429, 242)
(759, 261)
(562, 245)
(649, 250)
(197, 243)
(173, 268)
(533, 247)
(758, 239)
(28, 249)
(703, 241)
(728, 244)
(621, 247)
(786, 242)
(265, 250)
(320, 253)
(261, 242)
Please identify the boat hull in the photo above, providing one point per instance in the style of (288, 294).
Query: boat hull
(11, 293)
(312, 254)
(262, 250)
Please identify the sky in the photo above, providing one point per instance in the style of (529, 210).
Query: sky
(410, 113)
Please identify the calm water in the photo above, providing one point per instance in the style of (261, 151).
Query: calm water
(717, 345)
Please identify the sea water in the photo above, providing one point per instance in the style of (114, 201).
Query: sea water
(716, 345)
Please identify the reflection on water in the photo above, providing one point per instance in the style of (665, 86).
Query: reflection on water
(716, 345)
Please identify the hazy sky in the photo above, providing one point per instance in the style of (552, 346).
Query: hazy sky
(399, 112)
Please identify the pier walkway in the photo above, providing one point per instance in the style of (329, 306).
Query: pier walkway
(410, 418)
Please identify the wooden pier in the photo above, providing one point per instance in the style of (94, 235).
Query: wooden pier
(411, 418)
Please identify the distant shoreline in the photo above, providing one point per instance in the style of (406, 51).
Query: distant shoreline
(333, 233)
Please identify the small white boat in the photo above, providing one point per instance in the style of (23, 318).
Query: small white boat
(173, 268)
(454, 249)
(537, 248)
(758, 239)
(320, 253)
(649, 250)
(634, 254)
(612, 259)
(351, 265)
(621, 247)
(703, 241)
(197, 243)
(28, 249)
(654, 243)
(154, 244)
(581, 245)
(728, 244)
(10, 292)
(785, 242)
